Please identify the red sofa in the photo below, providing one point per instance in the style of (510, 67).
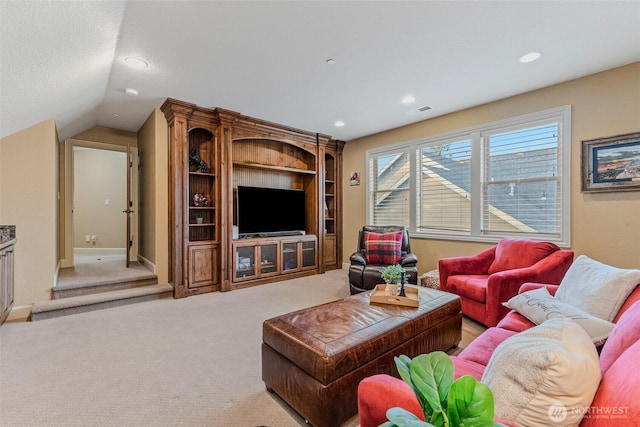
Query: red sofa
(616, 402)
(485, 280)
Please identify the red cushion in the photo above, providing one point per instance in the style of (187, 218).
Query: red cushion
(383, 248)
(472, 286)
(520, 253)
(626, 332)
(616, 401)
(466, 367)
(631, 299)
(515, 322)
(481, 349)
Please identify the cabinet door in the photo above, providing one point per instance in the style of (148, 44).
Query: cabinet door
(308, 254)
(289, 256)
(202, 265)
(329, 250)
(245, 262)
(268, 256)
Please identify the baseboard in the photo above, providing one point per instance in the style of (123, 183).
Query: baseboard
(106, 251)
(20, 313)
(346, 265)
(148, 264)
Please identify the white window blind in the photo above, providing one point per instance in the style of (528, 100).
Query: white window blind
(389, 189)
(521, 190)
(445, 187)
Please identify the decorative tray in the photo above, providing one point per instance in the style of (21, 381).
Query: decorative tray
(381, 296)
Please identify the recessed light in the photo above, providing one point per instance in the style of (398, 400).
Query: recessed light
(330, 61)
(131, 92)
(530, 57)
(409, 99)
(339, 124)
(135, 62)
(115, 114)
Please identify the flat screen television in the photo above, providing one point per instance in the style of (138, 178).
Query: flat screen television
(269, 210)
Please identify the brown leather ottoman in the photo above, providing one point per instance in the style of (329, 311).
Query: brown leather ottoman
(315, 358)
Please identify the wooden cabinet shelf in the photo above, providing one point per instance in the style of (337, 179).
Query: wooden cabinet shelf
(273, 168)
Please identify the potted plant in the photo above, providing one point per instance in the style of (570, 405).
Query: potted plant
(445, 402)
(392, 274)
(199, 218)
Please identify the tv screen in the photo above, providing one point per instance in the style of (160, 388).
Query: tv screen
(264, 210)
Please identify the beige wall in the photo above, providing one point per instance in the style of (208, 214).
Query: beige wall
(107, 135)
(604, 226)
(29, 176)
(99, 176)
(154, 223)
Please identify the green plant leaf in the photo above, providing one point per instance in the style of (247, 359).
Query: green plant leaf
(403, 418)
(469, 403)
(432, 375)
(403, 363)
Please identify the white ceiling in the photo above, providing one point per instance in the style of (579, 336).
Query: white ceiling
(64, 59)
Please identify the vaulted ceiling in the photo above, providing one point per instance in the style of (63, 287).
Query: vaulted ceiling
(268, 59)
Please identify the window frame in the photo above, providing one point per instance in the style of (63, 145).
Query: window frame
(559, 115)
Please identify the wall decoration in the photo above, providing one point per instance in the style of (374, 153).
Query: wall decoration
(355, 178)
(611, 164)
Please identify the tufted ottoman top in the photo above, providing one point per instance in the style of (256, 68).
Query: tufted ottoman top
(332, 339)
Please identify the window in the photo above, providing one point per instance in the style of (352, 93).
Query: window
(390, 191)
(507, 178)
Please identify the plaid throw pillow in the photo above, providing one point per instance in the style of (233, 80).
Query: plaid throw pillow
(385, 248)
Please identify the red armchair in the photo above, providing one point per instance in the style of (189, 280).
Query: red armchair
(485, 280)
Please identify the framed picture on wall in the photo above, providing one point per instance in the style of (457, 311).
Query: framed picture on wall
(611, 164)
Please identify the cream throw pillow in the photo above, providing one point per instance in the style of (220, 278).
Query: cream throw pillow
(597, 288)
(538, 305)
(546, 375)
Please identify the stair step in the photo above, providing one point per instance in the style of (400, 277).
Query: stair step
(81, 304)
(87, 288)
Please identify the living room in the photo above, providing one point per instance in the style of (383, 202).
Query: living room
(605, 226)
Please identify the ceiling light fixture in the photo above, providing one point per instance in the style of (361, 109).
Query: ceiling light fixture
(409, 99)
(136, 62)
(339, 124)
(330, 61)
(530, 57)
(115, 114)
(131, 92)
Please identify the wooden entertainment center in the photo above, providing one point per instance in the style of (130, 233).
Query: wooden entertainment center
(213, 151)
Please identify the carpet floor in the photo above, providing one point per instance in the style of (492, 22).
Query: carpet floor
(187, 362)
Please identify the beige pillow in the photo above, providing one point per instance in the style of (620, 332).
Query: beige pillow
(538, 305)
(597, 288)
(545, 375)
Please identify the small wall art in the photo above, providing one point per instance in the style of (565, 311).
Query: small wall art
(354, 178)
(611, 164)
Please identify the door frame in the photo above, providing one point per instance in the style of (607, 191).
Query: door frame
(69, 144)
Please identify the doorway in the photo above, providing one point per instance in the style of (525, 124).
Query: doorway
(96, 196)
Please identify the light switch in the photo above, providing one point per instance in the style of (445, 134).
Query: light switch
(106, 202)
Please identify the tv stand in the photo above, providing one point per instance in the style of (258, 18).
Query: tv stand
(272, 234)
(267, 259)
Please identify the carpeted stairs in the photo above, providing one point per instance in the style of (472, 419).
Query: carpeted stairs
(99, 285)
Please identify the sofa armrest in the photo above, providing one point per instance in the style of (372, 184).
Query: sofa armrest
(409, 259)
(358, 258)
(378, 393)
(530, 286)
(551, 269)
(473, 264)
